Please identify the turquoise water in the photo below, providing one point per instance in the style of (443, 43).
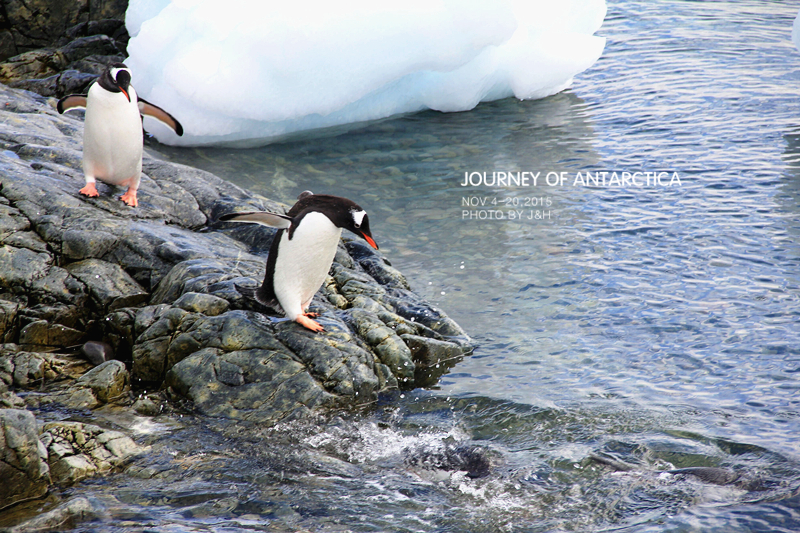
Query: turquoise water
(655, 325)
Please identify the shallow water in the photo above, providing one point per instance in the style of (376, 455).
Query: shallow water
(654, 325)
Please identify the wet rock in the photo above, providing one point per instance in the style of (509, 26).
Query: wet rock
(147, 406)
(389, 347)
(474, 460)
(276, 387)
(432, 357)
(212, 509)
(158, 284)
(77, 451)
(714, 475)
(108, 381)
(66, 516)
(23, 458)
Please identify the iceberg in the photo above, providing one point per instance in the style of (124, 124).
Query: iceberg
(796, 31)
(246, 72)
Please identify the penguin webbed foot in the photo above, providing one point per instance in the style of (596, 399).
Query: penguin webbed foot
(311, 315)
(89, 190)
(130, 198)
(307, 323)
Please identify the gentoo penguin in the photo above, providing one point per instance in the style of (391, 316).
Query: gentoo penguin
(303, 249)
(112, 131)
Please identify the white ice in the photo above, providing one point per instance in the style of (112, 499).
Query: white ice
(796, 32)
(249, 72)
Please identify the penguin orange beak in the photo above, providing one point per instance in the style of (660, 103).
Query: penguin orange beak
(370, 240)
(125, 93)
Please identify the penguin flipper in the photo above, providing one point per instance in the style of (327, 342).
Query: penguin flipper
(272, 220)
(70, 102)
(152, 110)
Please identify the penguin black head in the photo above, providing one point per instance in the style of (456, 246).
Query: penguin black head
(116, 78)
(359, 224)
(344, 214)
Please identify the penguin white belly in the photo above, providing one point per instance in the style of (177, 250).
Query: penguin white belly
(304, 261)
(112, 137)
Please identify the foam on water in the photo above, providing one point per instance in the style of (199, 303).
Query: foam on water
(368, 442)
(253, 72)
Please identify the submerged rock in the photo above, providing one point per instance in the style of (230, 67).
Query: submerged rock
(157, 285)
(66, 516)
(475, 461)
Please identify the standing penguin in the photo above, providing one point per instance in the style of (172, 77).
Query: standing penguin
(303, 249)
(112, 131)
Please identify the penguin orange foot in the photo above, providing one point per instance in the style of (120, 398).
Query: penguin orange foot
(130, 197)
(307, 237)
(307, 323)
(112, 131)
(89, 190)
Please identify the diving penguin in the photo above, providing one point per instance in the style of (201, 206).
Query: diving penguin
(303, 250)
(112, 131)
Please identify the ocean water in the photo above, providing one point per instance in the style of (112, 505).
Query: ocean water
(656, 325)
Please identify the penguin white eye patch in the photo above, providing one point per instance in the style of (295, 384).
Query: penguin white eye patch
(115, 71)
(358, 217)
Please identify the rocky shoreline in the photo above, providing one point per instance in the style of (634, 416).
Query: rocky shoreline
(154, 286)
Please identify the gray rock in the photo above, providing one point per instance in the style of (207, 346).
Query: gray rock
(159, 291)
(8, 321)
(23, 458)
(109, 285)
(30, 369)
(40, 23)
(107, 381)
(9, 400)
(276, 386)
(432, 357)
(43, 333)
(77, 451)
(67, 82)
(84, 244)
(207, 304)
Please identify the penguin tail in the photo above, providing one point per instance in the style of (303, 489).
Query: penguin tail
(255, 293)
